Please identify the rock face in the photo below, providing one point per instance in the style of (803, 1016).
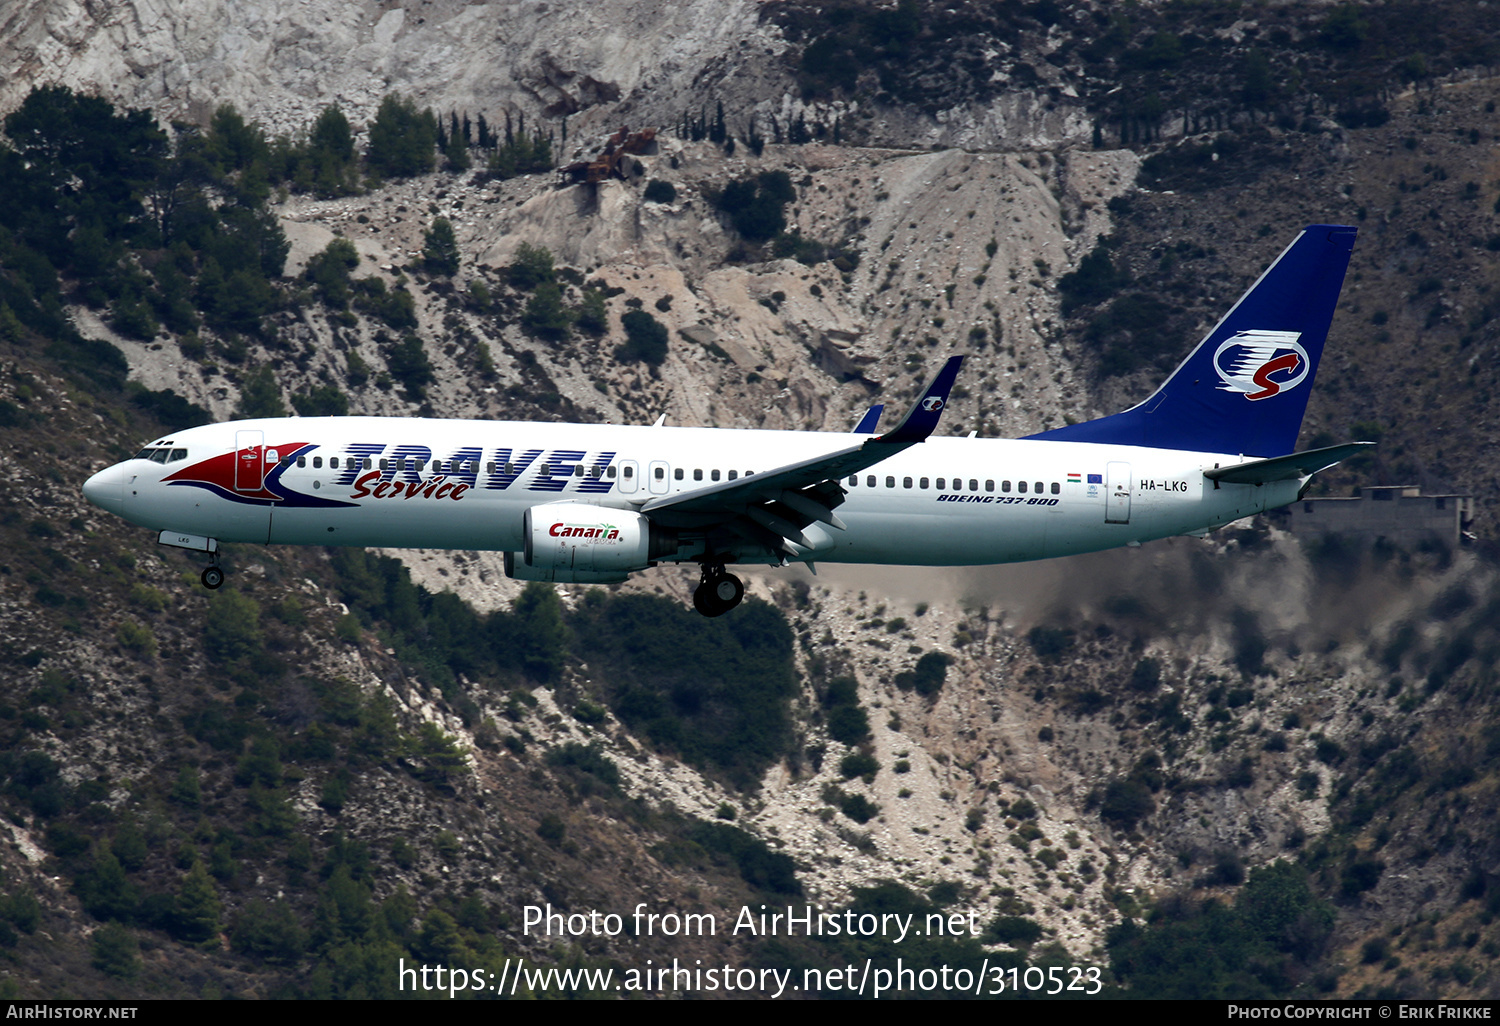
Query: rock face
(643, 61)
(283, 60)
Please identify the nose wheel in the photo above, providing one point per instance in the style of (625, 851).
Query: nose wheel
(718, 592)
(213, 574)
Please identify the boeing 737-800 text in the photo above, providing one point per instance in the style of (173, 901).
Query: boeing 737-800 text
(595, 503)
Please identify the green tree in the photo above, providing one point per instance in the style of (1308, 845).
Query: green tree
(115, 952)
(456, 154)
(321, 401)
(592, 315)
(328, 271)
(270, 932)
(328, 166)
(540, 632)
(440, 252)
(196, 911)
(260, 395)
(105, 891)
(545, 315)
(403, 140)
(645, 339)
(531, 267)
(408, 364)
(232, 628)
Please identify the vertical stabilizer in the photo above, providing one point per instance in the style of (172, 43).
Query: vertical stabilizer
(1245, 388)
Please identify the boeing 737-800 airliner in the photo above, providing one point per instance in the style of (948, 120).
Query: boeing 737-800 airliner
(595, 503)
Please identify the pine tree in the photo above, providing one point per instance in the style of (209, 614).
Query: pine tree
(440, 253)
(197, 910)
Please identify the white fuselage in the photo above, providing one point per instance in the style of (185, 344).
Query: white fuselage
(407, 483)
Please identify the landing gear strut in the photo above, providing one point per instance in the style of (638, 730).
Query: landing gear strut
(718, 592)
(213, 575)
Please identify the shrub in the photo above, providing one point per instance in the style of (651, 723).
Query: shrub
(645, 339)
(858, 764)
(531, 267)
(659, 191)
(321, 401)
(927, 677)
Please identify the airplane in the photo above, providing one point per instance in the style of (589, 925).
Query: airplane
(596, 503)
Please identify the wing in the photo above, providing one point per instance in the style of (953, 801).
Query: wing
(772, 508)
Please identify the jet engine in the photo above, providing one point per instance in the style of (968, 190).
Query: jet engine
(576, 541)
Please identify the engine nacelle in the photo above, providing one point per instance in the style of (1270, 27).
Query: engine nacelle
(517, 570)
(583, 539)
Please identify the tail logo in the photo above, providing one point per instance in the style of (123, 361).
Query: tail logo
(932, 403)
(1247, 362)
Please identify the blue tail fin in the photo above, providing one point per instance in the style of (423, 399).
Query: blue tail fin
(1245, 388)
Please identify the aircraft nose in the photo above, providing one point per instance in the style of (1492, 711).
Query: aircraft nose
(106, 489)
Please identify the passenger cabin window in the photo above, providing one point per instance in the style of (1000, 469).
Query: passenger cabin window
(989, 486)
(713, 475)
(890, 482)
(677, 473)
(1021, 487)
(733, 474)
(661, 473)
(1005, 486)
(384, 464)
(906, 482)
(1056, 488)
(301, 461)
(869, 480)
(317, 463)
(609, 472)
(1039, 487)
(629, 472)
(333, 462)
(973, 484)
(698, 474)
(941, 483)
(367, 462)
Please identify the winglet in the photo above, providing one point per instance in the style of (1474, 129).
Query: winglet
(922, 418)
(866, 425)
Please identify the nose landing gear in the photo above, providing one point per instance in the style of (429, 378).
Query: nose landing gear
(213, 574)
(718, 592)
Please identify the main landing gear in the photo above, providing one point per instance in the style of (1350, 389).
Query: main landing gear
(718, 592)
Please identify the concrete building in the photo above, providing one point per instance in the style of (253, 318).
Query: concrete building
(1397, 515)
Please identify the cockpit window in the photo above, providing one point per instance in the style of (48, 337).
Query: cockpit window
(177, 454)
(159, 455)
(144, 454)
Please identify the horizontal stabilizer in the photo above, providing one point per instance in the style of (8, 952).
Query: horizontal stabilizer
(1286, 468)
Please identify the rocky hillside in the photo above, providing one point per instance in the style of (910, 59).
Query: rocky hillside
(346, 759)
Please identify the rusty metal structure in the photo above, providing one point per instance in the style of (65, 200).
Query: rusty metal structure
(610, 163)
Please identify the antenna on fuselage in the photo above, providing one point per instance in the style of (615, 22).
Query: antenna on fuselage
(660, 420)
